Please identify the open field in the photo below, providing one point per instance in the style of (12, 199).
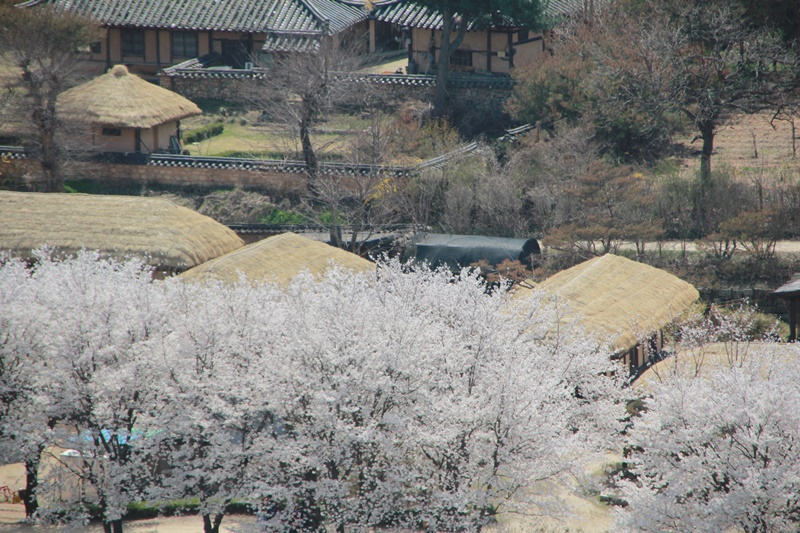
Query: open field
(737, 145)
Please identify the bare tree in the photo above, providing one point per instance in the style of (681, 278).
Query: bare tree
(45, 45)
(363, 196)
(303, 87)
(703, 60)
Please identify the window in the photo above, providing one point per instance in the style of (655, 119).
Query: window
(133, 43)
(112, 132)
(523, 36)
(184, 44)
(95, 47)
(462, 58)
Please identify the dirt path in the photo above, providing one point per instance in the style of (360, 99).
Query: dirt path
(11, 514)
(786, 247)
(172, 524)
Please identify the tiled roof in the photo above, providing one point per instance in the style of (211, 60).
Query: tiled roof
(258, 16)
(405, 13)
(790, 289)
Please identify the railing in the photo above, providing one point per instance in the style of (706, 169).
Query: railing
(442, 160)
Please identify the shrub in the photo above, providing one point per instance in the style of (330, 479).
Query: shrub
(282, 217)
(203, 133)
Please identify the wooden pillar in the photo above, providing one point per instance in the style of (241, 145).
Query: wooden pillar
(488, 50)
(158, 49)
(793, 319)
(108, 48)
(510, 50)
(372, 36)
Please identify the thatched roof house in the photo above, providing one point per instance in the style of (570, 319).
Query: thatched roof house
(164, 235)
(619, 299)
(277, 259)
(126, 113)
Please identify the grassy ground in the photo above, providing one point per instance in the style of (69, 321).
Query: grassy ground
(245, 136)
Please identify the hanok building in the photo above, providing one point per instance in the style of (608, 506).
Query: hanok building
(168, 237)
(497, 46)
(151, 35)
(624, 302)
(121, 112)
(277, 259)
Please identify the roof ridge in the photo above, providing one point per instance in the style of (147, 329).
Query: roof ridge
(316, 12)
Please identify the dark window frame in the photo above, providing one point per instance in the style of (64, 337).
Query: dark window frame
(112, 132)
(179, 41)
(461, 58)
(132, 41)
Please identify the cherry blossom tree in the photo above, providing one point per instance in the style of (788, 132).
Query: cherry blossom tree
(95, 384)
(407, 398)
(716, 447)
(220, 418)
(23, 426)
(428, 398)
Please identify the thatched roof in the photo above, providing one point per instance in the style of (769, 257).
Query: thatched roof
(698, 361)
(617, 298)
(163, 234)
(120, 99)
(277, 259)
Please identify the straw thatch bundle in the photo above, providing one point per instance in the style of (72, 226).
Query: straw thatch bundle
(699, 361)
(277, 259)
(120, 99)
(163, 234)
(621, 299)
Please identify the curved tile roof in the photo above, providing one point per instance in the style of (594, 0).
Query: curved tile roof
(260, 16)
(405, 13)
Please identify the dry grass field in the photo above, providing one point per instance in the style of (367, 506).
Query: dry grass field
(751, 145)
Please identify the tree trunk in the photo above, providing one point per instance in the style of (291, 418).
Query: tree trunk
(114, 526)
(31, 484)
(443, 63)
(707, 134)
(212, 527)
(50, 164)
(309, 156)
(446, 49)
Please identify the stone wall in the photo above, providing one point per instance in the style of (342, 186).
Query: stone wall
(234, 90)
(470, 100)
(18, 173)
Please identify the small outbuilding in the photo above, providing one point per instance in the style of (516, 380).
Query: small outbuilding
(791, 293)
(277, 259)
(164, 235)
(121, 112)
(624, 301)
(459, 251)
